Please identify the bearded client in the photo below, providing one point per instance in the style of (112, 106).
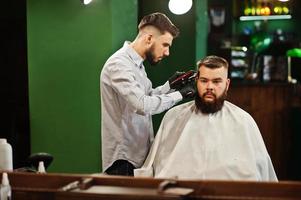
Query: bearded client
(209, 138)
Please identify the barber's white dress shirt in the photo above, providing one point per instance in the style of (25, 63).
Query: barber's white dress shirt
(127, 103)
(226, 145)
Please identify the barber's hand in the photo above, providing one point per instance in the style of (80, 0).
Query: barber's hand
(188, 91)
(174, 77)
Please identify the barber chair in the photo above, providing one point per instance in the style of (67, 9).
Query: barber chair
(34, 160)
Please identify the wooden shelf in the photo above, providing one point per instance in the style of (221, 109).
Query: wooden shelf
(264, 17)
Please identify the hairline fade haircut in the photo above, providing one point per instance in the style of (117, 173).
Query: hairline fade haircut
(213, 62)
(161, 22)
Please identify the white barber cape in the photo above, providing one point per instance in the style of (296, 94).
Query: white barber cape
(226, 145)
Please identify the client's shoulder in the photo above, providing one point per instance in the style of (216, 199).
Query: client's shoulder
(237, 111)
(184, 107)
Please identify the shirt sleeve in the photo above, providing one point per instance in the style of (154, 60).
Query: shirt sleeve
(163, 89)
(124, 82)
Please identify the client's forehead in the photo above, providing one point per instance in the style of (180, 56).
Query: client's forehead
(207, 72)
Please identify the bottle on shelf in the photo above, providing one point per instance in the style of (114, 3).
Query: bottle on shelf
(6, 155)
(5, 189)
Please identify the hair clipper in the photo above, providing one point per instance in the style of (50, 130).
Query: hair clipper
(184, 79)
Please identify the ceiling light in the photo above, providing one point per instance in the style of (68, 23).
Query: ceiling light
(86, 2)
(179, 7)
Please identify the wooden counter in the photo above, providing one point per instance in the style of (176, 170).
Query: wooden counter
(30, 186)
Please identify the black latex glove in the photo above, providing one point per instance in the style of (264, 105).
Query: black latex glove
(188, 91)
(174, 77)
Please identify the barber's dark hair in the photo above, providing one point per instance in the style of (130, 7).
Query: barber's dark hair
(161, 22)
(213, 62)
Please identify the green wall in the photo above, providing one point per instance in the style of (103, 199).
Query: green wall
(201, 24)
(125, 21)
(67, 45)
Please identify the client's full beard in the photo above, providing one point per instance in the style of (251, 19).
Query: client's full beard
(210, 107)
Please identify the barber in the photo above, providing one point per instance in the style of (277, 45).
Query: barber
(128, 100)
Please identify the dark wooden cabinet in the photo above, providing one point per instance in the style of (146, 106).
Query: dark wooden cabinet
(274, 106)
(14, 102)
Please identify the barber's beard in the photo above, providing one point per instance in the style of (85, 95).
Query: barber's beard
(150, 56)
(210, 107)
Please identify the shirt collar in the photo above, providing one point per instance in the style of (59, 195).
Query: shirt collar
(138, 60)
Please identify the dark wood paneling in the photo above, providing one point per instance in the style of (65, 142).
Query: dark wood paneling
(270, 105)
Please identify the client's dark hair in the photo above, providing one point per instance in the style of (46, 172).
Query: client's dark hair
(212, 62)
